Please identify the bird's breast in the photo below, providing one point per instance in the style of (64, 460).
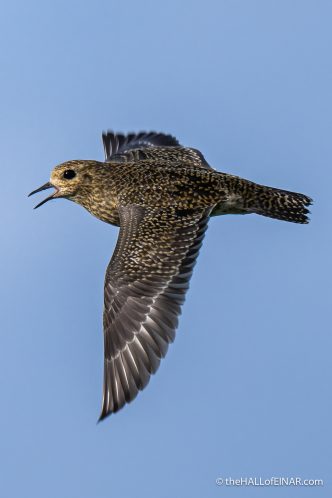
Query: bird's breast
(103, 206)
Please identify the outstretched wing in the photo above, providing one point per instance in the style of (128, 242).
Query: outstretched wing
(116, 144)
(152, 146)
(145, 286)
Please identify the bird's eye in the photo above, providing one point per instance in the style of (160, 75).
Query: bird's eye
(69, 174)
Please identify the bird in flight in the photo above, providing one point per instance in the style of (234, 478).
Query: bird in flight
(161, 195)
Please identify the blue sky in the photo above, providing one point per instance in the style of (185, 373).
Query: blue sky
(245, 390)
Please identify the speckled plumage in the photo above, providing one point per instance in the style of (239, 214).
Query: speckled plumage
(161, 195)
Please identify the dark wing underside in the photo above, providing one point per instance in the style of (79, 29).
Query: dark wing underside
(151, 146)
(145, 286)
(117, 144)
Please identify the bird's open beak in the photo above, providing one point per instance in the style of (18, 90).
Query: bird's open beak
(44, 187)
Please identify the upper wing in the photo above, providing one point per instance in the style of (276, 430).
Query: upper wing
(118, 144)
(145, 286)
(152, 146)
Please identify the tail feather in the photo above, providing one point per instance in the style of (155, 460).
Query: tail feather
(280, 204)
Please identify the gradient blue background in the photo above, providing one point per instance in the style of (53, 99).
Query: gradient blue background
(246, 388)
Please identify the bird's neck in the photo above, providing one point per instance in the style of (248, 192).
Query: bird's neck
(98, 195)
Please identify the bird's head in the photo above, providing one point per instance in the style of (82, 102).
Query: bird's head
(71, 180)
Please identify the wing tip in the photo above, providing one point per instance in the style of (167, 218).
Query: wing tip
(102, 416)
